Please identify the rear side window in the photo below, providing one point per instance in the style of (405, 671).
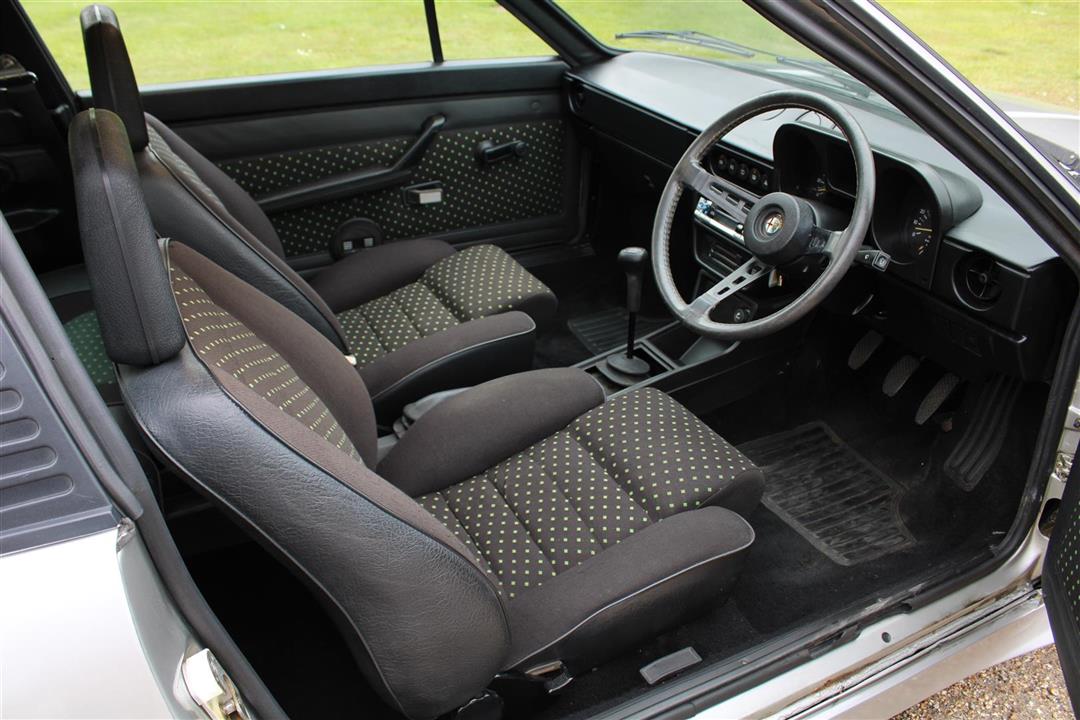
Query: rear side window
(204, 40)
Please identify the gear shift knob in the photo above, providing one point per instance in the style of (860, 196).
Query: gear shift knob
(633, 261)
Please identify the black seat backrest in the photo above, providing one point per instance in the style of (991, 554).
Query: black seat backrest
(266, 417)
(190, 199)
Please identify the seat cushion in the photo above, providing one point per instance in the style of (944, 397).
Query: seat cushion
(625, 465)
(477, 282)
(654, 580)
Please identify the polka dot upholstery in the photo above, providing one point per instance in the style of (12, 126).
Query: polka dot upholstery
(225, 343)
(84, 332)
(475, 195)
(634, 460)
(473, 283)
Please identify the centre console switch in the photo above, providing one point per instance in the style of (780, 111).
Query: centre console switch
(633, 261)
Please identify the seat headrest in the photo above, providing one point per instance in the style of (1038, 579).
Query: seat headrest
(128, 278)
(112, 79)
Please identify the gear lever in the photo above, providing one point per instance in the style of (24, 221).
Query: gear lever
(633, 261)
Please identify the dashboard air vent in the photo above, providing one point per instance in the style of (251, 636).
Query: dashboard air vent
(977, 280)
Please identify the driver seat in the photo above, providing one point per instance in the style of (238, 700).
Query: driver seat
(521, 526)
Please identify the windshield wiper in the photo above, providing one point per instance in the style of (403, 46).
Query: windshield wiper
(828, 70)
(695, 37)
(691, 37)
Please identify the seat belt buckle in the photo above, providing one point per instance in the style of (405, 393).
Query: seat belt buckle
(13, 74)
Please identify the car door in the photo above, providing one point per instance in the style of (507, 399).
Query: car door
(1061, 584)
(424, 120)
(480, 153)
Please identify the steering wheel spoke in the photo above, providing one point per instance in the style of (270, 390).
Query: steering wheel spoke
(824, 242)
(722, 193)
(738, 279)
(777, 228)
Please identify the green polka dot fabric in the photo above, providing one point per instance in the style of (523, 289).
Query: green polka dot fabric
(227, 345)
(84, 332)
(473, 283)
(631, 462)
(475, 194)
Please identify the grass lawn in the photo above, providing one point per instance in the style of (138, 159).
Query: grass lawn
(1024, 48)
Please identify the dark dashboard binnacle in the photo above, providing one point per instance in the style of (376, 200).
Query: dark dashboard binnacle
(916, 204)
(950, 267)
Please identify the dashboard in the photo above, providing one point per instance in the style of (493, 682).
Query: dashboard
(954, 270)
(915, 205)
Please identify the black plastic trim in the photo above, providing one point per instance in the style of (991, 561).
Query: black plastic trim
(359, 181)
(432, 17)
(233, 97)
(558, 30)
(48, 494)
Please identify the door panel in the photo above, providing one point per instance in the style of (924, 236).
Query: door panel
(520, 199)
(474, 195)
(1061, 584)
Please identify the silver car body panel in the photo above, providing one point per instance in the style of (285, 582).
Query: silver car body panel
(87, 630)
(902, 659)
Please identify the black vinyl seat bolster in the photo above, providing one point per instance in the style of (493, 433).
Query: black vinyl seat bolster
(427, 629)
(139, 322)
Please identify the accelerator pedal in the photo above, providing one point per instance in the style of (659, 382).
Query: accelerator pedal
(867, 346)
(899, 374)
(937, 396)
(981, 442)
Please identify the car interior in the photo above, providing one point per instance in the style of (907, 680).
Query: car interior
(521, 388)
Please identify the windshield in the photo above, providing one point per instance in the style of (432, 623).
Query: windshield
(1023, 54)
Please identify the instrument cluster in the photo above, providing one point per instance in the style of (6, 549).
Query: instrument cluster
(915, 204)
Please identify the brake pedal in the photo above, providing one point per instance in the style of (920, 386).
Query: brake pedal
(899, 374)
(937, 396)
(867, 346)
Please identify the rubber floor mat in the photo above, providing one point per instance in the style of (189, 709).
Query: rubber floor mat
(829, 494)
(606, 329)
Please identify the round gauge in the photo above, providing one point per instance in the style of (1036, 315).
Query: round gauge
(907, 229)
(918, 232)
(818, 187)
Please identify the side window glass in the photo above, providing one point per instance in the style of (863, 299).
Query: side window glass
(191, 40)
(484, 29)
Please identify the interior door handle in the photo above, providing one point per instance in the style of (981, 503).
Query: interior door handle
(354, 182)
(488, 152)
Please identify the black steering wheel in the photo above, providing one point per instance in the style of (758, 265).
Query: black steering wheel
(776, 229)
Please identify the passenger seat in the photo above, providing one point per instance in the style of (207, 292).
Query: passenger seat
(416, 316)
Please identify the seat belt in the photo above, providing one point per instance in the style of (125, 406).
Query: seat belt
(19, 87)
